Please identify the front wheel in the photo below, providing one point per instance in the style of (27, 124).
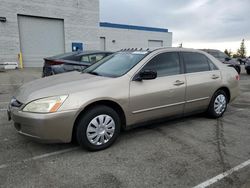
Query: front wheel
(248, 71)
(98, 128)
(218, 104)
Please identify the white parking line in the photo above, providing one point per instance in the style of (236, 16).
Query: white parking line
(3, 109)
(38, 157)
(223, 175)
(4, 102)
(11, 84)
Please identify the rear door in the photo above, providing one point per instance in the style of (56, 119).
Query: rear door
(202, 77)
(160, 97)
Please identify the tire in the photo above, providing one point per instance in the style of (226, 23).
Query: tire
(218, 104)
(98, 128)
(248, 71)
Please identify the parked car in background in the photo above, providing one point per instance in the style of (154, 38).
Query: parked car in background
(242, 60)
(71, 61)
(224, 58)
(126, 88)
(247, 65)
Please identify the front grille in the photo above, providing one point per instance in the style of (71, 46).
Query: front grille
(15, 103)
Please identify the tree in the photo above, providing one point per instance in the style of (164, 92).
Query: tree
(241, 52)
(235, 56)
(228, 52)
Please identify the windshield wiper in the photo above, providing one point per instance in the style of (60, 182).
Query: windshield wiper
(94, 73)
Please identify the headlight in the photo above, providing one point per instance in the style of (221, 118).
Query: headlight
(45, 105)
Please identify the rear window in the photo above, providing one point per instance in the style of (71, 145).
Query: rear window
(64, 55)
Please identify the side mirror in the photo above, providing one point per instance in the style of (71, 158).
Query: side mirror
(227, 59)
(146, 75)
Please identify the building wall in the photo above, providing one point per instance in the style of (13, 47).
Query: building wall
(81, 22)
(117, 39)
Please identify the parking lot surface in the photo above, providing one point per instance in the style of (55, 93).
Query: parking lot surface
(184, 152)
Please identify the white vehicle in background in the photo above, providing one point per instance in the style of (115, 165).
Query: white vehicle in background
(8, 65)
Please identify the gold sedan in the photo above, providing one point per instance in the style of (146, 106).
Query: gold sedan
(127, 88)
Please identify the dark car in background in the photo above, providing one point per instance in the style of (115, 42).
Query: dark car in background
(247, 65)
(224, 58)
(72, 61)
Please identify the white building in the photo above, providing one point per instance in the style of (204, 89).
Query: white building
(43, 28)
(118, 36)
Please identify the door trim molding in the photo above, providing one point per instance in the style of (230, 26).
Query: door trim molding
(195, 100)
(158, 107)
(168, 105)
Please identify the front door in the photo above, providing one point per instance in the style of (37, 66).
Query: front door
(160, 97)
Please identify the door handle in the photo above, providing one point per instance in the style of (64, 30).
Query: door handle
(214, 76)
(178, 83)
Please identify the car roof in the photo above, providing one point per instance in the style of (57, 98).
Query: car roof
(210, 50)
(160, 49)
(177, 49)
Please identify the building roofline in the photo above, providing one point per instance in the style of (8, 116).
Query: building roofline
(132, 27)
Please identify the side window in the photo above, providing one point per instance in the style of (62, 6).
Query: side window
(195, 62)
(222, 55)
(85, 58)
(95, 58)
(212, 65)
(165, 64)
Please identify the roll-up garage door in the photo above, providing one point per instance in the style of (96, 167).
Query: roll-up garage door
(155, 43)
(40, 38)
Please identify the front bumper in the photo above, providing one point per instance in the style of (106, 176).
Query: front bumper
(50, 128)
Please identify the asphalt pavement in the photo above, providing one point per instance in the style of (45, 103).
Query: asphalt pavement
(185, 152)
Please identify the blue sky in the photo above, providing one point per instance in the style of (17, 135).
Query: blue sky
(195, 23)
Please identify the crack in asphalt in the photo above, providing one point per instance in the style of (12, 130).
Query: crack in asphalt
(221, 149)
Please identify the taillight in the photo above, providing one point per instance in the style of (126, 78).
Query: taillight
(49, 62)
(237, 77)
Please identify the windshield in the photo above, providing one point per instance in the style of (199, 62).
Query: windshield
(116, 65)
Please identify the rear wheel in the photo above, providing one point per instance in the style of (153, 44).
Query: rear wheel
(98, 128)
(248, 71)
(218, 104)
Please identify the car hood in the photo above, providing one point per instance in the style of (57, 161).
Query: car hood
(61, 84)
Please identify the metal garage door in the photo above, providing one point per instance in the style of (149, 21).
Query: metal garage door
(39, 38)
(155, 43)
